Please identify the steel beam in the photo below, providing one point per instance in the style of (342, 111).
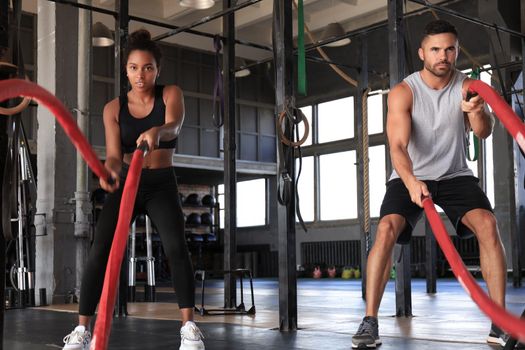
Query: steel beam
(229, 10)
(430, 258)
(156, 23)
(397, 73)
(121, 88)
(230, 150)
(467, 18)
(284, 98)
(4, 44)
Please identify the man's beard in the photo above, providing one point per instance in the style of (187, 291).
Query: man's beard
(439, 72)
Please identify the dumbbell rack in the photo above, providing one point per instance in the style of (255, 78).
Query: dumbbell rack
(149, 289)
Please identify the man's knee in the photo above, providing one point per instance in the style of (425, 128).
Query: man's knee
(387, 233)
(486, 229)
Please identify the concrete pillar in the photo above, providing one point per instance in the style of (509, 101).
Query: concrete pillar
(56, 157)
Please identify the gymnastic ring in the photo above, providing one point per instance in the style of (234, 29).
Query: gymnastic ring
(283, 138)
(23, 104)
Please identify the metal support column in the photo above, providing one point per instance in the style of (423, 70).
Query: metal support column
(121, 87)
(519, 247)
(284, 98)
(517, 196)
(430, 258)
(4, 44)
(230, 155)
(361, 183)
(82, 203)
(397, 73)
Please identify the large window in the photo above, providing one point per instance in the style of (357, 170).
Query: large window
(251, 203)
(489, 162)
(336, 120)
(472, 164)
(328, 184)
(489, 159)
(306, 188)
(375, 113)
(307, 111)
(377, 176)
(338, 186)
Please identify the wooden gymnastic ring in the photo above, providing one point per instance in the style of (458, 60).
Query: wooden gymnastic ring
(23, 104)
(283, 138)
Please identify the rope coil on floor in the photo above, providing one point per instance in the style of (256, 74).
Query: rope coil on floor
(503, 319)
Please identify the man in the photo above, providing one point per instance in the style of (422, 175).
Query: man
(428, 117)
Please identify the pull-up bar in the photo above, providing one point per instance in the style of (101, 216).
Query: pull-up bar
(478, 21)
(206, 19)
(115, 14)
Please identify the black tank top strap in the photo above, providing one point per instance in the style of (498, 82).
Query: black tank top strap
(122, 101)
(131, 127)
(159, 92)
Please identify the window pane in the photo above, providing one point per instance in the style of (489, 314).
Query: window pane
(490, 169)
(375, 114)
(338, 186)
(473, 165)
(251, 203)
(377, 175)
(220, 192)
(305, 188)
(307, 111)
(489, 160)
(336, 120)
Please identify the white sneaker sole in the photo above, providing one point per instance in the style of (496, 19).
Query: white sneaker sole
(192, 346)
(494, 340)
(367, 346)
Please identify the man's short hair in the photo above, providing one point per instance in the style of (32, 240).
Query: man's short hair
(439, 27)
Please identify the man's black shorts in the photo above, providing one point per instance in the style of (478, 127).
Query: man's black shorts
(455, 196)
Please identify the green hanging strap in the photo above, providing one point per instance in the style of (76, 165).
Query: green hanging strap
(476, 147)
(301, 57)
(474, 75)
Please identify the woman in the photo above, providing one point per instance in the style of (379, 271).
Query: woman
(153, 114)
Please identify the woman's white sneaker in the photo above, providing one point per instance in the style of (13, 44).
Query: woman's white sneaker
(191, 337)
(78, 339)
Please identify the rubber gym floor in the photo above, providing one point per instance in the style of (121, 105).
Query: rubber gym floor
(329, 312)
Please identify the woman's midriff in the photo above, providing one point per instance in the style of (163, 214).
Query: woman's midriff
(157, 159)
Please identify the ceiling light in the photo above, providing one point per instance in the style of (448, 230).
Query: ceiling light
(239, 62)
(197, 4)
(101, 35)
(334, 30)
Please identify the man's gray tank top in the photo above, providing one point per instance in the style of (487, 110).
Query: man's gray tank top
(438, 139)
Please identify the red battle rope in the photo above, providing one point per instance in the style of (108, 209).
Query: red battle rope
(14, 88)
(503, 319)
(502, 110)
(506, 321)
(109, 291)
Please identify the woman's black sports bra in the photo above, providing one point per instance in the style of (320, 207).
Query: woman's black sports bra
(131, 127)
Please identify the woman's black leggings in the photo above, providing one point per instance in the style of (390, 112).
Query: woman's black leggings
(158, 197)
